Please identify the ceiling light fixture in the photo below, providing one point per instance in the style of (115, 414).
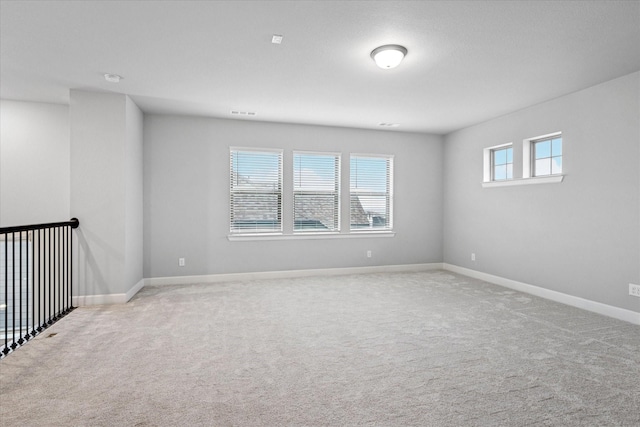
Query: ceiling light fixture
(112, 78)
(389, 55)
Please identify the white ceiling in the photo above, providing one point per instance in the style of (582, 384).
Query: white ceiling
(467, 62)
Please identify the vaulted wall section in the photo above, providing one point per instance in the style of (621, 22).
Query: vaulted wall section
(580, 237)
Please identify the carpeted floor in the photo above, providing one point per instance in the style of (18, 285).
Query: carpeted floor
(398, 349)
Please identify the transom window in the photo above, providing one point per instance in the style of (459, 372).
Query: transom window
(256, 191)
(316, 192)
(371, 192)
(502, 163)
(547, 156)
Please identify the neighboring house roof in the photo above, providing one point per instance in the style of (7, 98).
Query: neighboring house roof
(358, 215)
(310, 209)
(315, 208)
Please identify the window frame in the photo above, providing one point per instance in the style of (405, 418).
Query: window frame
(388, 193)
(551, 157)
(336, 192)
(488, 165)
(279, 193)
(494, 151)
(528, 167)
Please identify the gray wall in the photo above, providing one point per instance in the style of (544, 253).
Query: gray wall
(580, 237)
(133, 226)
(34, 163)
(186, 209)
(106, 145)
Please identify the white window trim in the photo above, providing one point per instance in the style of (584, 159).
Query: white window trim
(280, 152)
(526, 154)
(391, 158)
(339, 187)
(487, 161)
(310, 236)
(549, 179)
(313, 235)
(526, 179)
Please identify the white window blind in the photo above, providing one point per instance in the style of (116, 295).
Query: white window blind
(316, 191)
(371, 190)
(256, 191)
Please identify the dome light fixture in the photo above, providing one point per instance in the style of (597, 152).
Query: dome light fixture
(389, 55)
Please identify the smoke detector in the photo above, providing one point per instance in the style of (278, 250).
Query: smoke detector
(112, 78)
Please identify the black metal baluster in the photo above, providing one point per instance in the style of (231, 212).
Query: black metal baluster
(52, 266)
(52, 284)
(43, 284)
(33, 284)
(68, 263)
(5, 350)
(56, 274)
(44, 297)
(20, 340)
(40, 267)
(59, 273)
(64, 269)
(60, 308)
(52, 315)
(70, 268)
(47, 317)
(13, 294)
(25, 337)
(43, 281)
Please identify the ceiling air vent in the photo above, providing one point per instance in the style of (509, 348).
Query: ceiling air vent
(243, 113)
(388, 125)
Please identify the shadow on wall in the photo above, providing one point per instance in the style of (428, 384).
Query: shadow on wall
(96, 262)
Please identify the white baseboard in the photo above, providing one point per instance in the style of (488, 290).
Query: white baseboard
(138, 286)
(85, 300)
(216, 278)
(585, 304)
(596, 307)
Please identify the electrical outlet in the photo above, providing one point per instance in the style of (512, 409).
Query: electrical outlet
(634, 290)
(473, 256)
(181, 262)
(368, 254)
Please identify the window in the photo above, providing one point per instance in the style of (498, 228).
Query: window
(502, 163)
(546, 156)
(256, 191)
(371, 196)
(316, 192)
(541, 162)
(498, 163)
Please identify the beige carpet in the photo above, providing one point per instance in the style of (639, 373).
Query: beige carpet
(397, 349)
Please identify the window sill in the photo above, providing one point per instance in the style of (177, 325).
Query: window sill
(551, 179)
(309, 236)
